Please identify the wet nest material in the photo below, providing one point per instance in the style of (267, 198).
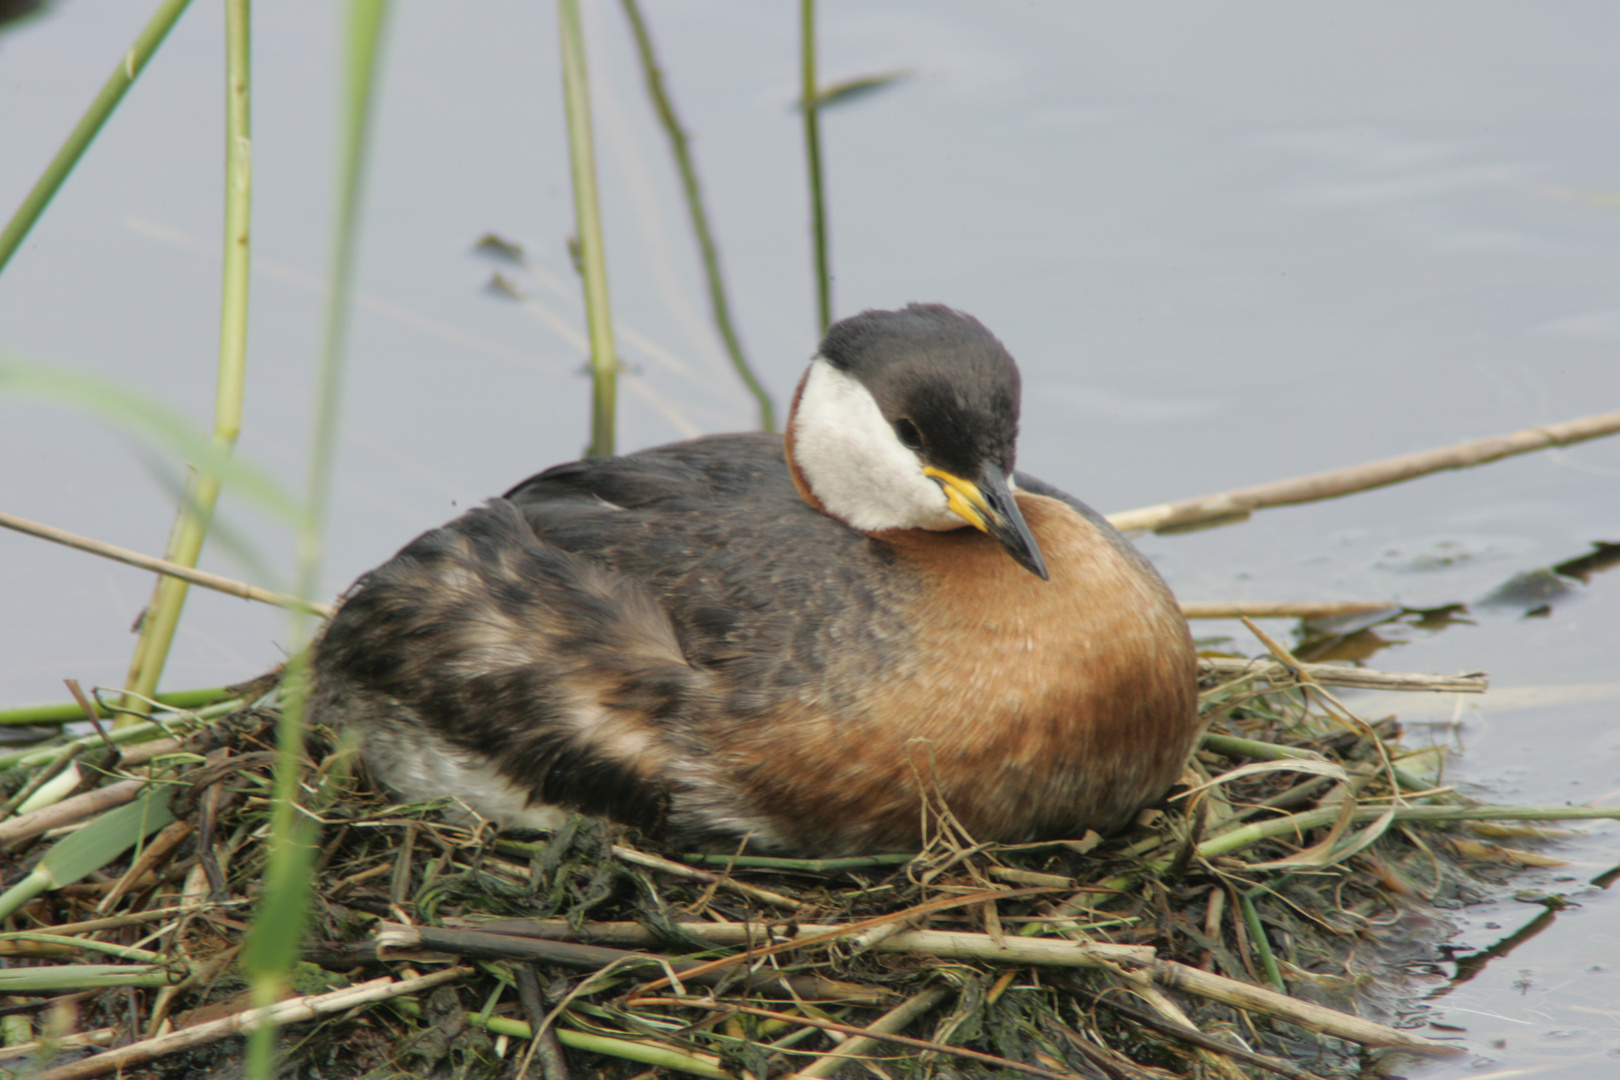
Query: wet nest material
(1262, 920)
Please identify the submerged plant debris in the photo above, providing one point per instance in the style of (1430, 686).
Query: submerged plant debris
(1262, 920)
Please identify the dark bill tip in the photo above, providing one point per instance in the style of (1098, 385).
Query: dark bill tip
(1006, 522)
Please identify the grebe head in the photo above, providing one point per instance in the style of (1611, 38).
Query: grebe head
(907, 420)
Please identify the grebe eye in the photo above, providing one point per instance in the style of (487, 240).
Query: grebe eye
(907, 433)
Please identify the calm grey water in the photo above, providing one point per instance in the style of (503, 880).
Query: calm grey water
(1228, 244)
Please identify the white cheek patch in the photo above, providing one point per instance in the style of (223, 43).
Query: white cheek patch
(855, 464)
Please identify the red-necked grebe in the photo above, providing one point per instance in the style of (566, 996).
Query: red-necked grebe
(783, 638)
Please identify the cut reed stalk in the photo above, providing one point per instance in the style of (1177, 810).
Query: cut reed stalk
(1231, 507)
(196, 511)
(56, 979)
(112, 92)
(680, 147)
(588, 223)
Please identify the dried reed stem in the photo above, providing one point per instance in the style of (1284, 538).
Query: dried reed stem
(1294, 610)
(283, 1012)
(1049, 952)
(69, 811)
(1230, 507)
(1340, 675)
(163, 566)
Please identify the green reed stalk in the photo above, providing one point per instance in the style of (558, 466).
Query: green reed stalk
(70, 712)
(202, 493)
(588, 223)
(680, 146)
(810, 104)
(1261, 944)
(112, 92)
(278, 926)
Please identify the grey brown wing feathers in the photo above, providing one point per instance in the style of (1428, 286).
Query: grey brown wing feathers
(563, 674)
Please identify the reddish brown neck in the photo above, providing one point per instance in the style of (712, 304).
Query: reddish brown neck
(799, 481)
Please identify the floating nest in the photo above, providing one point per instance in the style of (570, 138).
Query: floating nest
(1265, 919)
